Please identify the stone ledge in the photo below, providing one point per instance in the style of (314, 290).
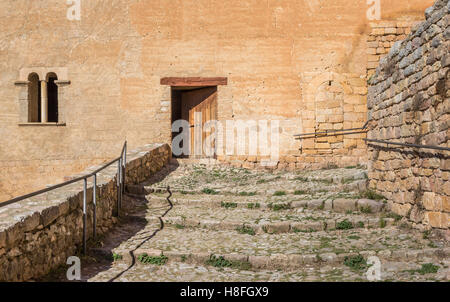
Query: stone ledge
(42, 124)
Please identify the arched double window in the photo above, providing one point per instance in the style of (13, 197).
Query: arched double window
(42, 98)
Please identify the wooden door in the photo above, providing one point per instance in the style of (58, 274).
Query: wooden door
(200, 106)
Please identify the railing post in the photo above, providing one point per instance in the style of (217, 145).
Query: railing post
(94, 198)
(124, 163)
(118, 187)
(84, 215)
(121, 181)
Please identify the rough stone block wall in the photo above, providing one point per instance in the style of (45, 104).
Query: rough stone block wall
(409, 102)
(39, 234)
(382, 37)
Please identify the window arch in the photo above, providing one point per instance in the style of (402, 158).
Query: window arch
(42, 95)
(34, 98)
(52, 95)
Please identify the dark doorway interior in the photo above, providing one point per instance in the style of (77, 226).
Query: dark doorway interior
(188, 100)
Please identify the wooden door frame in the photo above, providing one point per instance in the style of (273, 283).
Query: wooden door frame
(189, 82)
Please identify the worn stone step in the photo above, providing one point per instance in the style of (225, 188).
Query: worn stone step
(234, 242)
(199, 214)
(225, 189)
(277, 227)
(341, 205)
(288, 262)
(316, 272)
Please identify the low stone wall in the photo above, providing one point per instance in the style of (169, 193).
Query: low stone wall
(40, 233)
(355, 157)
(409, 102)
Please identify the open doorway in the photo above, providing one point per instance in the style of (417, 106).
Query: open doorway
(197, 106)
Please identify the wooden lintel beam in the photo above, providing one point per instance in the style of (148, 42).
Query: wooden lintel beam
(194, 81)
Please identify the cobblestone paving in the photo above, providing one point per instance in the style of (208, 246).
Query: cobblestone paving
(280, 226)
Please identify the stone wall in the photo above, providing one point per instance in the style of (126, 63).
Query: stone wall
(275, 54)
(409, 102)
(382, 37)
(40, 233)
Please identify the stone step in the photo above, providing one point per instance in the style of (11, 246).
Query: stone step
(207, 241)
(276, 227)
(225, 189)
(287, 262)
(172, 271)
(340, 205)
(193, 214)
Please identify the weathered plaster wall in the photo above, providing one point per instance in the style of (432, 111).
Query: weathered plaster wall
(409, 101)
(276, 55)
(40, 233)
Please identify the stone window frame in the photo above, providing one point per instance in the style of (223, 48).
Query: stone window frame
(23, 99)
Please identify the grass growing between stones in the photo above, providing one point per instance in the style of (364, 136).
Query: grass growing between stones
(221, 262)
(347, 180)
(356, 263)
(253, 206)
(366, 209)
(279, 193)
(369, 194)
(280, 206)
(247, 193)
(427, 268)
(228, 205)
(209, 191)
(295, 230)
(246, 230)
(344, 225)
(300, 192)
(155, 260)
(393, 215)
(116, 257)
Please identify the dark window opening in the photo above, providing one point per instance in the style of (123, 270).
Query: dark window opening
(52, 93)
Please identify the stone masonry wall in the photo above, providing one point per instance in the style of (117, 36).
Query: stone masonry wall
(275, 54)
(40, 233)
(382, 37)
(409, 102)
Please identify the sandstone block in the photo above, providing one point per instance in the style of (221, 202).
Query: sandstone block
(329, 257)
(343, 205)
(299, 204)
(375, 206)
(315, 203)
(278, 261)
(276, 228)
(259, 261)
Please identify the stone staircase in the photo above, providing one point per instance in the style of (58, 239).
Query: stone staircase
(230, 224)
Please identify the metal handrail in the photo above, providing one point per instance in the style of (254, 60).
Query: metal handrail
(121, 169)
(407, 145)
(333, 132)
(365, 130)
